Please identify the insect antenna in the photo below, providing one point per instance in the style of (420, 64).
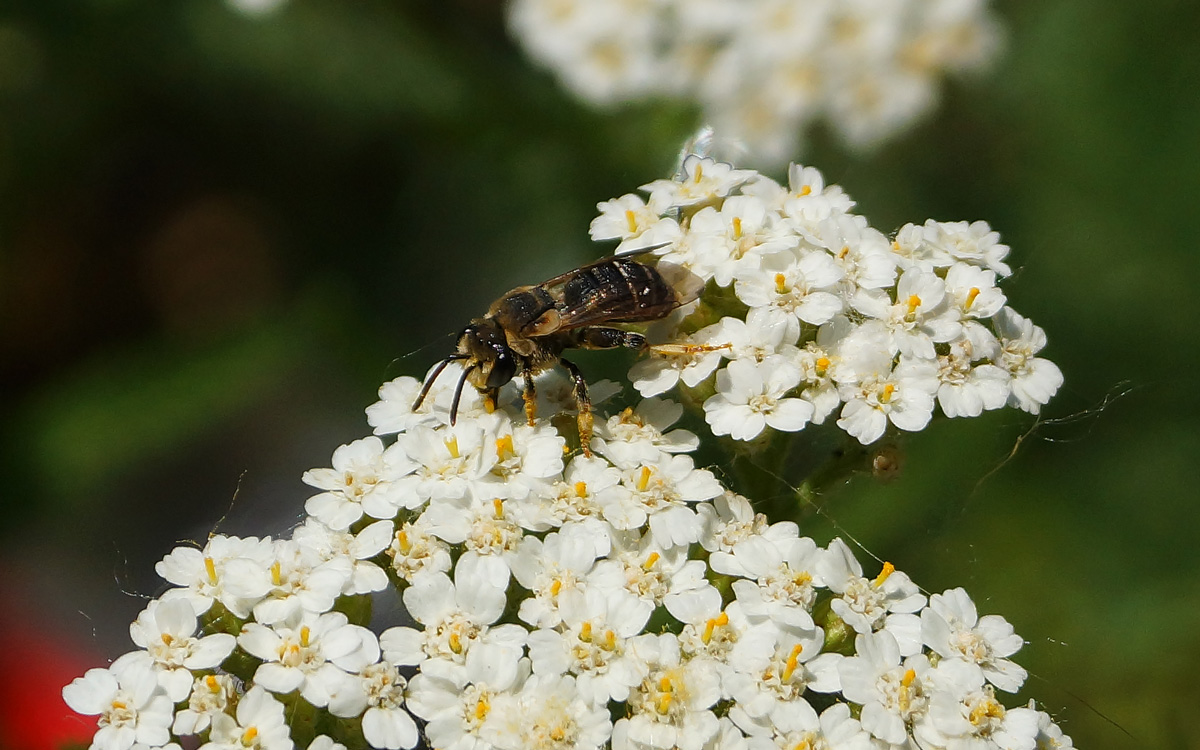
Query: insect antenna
(434, 376)
(458, 394)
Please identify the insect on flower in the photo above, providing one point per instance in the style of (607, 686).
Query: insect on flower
(527, 329)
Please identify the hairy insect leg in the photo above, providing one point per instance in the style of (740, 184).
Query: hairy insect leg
(530, 397)
(584, 404)
(598, 337)
(687, 350)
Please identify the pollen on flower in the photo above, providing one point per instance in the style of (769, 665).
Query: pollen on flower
(650, 561)
(643, 480)
(884, 574)
(249, 736)
(210, 568)
(913, 302)
(504, 448)
(792, 661)
(452, 446)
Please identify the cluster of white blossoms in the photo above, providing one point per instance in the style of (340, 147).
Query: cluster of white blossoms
(763, 70)
(811, 315)
(619, 597)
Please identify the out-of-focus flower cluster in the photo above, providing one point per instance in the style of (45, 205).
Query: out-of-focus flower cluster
(811, 315)
(562, 598)
(763, 70)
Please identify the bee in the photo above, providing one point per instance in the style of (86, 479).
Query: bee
(526, 331)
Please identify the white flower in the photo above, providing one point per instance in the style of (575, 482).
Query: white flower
(1050, 736)
(729, 519)
(521, 459)
(964, 714)
(166, 629)
(874, 394)
(835, 729)
(762, 70)
(380, 691)
(809, 201)
(260, 723)
(211, 695)
(863, 253)
(131, 706)
(966, 389)
(393, 412)
(365, 576)
(702, 180)
(414, 549)
(450, 460)
(756, 338)
(547, 714)
(796, 287)
(773, 688)
(456, 699)
(301, 581)
(636, 224)
(974, 243)
(1034, 380)
(694, 358)
(576, 498)
(885, 603)
(951, 627)
(918, 318)
(659, 495)
(233, 571)
(555, 570)
(455, 615)
(656, 575)
(973, 292)
(671, 707)
(641, 435)
(750, 397)
(594, 645)
(817, 362)
(310, 653)
(733, 239)
(361, 480)
(783, 578)
(893, 695)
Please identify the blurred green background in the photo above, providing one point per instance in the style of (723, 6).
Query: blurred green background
(219, 234)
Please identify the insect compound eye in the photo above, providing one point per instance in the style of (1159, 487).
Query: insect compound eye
(504, 367)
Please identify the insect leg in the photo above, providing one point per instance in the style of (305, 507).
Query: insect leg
(530, 397)
(584, 404)
(598, 337)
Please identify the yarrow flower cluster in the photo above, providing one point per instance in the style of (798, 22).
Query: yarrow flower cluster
(763, 70)
(813, 316)
(621, 596)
